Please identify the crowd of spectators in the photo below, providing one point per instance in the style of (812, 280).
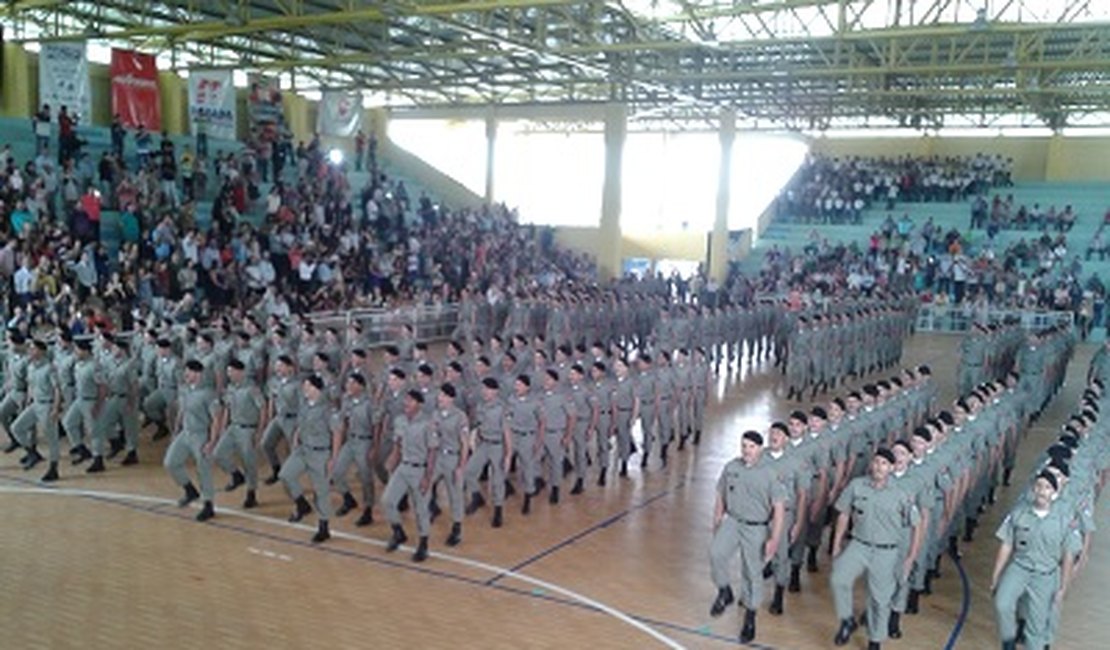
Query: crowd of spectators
(1001, 214)
(312, 242)
(828, 189)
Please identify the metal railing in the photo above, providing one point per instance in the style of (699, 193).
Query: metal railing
(383, 326)
(959, 318)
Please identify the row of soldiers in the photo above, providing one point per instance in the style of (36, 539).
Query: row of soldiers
(1045, 540)
(773, 502)
(919, 481)
(826, 349)
(987, 353)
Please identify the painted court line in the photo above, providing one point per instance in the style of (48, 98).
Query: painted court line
(542, 584)
(605, 523)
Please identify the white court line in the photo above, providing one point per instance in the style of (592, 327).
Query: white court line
(496, 570)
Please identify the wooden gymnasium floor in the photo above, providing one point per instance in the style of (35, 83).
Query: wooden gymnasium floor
(111, 562)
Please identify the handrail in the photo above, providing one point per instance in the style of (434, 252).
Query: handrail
(959, 318)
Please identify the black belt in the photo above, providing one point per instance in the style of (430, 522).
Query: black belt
(249, 425)
(289, 416)
(88, 399)
(320, 448)
(753, 523)
(415, 464)
(885, 547)
(496, 441)
(365, 437)
(449, 452)
(524, 433)
(120, 395)
(1043, 573)
(624, 410)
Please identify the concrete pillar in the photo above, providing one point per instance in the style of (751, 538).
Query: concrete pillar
(15, 96)
(1055, 161)
(609, 232)
(297, 117)
(173, 94)
(718, 250)
(491, 146)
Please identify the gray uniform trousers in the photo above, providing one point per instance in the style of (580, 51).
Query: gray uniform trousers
(648, 428)
(880, 565)
(731, 537)
(1036, 591)
(698, 408)
(525, 453)
(238, 440)
(446, 464)
(187, 444)
(157, 405)
(405, 480)
(314, 462)
(666, 422)
(554, 451)
(604, 443)
(784, 554)
(80, 424)
(624, 434)
(278, 429)
(385, 449)
(579, 450)
(492, 453)
(355, 451)
(117, 413)
(37, 421)
(10, 407)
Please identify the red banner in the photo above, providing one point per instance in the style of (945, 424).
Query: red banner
(135, 96)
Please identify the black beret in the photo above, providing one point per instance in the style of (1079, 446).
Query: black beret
(416, 396)
(66, 336)
(491, 383)
(1061, 466)
(819, 412)
(753, 436)
(286, 359)
(883, 452)
(15, 338)
(357, 378)
(398, 373)
(316, 381)
(40, 344)
(423, 347)
(646, 358)
(426, 370)
(923, 433)
(165, 343)
(323, 356)
(524, 379)
(392, 350)
(798, 415)
(1051, 478)
(194, 365)
(236, 364)
(359, 352)
(554, 374)
(578, 369)
(781, 426)
(456, 366)
(84, 344)
(449, 390)
(600, 366)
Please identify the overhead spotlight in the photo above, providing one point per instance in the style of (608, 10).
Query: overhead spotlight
(335, 157)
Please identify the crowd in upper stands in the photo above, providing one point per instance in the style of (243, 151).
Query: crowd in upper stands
(312, 242)
(829, 189)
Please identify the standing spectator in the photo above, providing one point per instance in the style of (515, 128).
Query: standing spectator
(143, 144)
(67, 135)
(118, 134)
(41, 125)
(360, 149)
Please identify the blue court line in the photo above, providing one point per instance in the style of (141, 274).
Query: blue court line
(965, 607)
(605, 523)
(700, 633)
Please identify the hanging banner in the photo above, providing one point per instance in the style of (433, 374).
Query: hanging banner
(340, 114)
(135, 96)
(265, 113)
(64, 79)
(212, 103)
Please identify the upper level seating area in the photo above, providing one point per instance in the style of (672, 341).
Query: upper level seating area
(207, 234)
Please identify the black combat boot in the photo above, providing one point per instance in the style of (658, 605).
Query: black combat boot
(776, 602)
(724, 599)
(190, 496)
(421, 553)
(301, 510)
(322, 532)
(456, 534)
(399, 537)
(207, 512)
(348, 504)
